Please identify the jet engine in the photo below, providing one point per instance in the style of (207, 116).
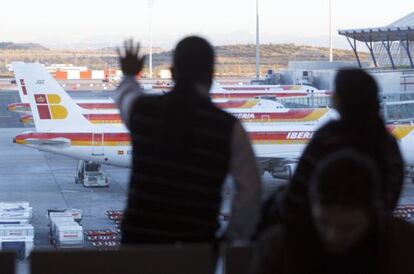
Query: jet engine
(284, 172)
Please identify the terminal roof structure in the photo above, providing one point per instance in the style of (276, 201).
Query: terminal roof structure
(401, 31)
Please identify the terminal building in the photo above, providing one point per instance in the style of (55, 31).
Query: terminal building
(391, 51)
(390, 46)
(391, 63)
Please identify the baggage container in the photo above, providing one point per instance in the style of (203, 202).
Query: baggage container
(11, 205)
(16, 214)
(61, 220)
(56, 215)
(76, 213)
(23, 246)
(69, 236)
(17, 230)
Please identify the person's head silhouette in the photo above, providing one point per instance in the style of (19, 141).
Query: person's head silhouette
(345, 199)
(193, 62)
(356, 93)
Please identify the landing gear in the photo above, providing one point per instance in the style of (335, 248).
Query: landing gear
(409, 172)
(90, 175)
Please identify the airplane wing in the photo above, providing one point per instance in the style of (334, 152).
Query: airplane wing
(48, 142)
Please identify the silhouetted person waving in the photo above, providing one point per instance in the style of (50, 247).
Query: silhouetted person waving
(353, 234)
(360, 128)
(183, 148)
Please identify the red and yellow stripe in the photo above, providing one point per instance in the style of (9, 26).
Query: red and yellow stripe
(237, 104)
(79, 139)
(92, 106)
(26, 119)
(231, 95)
(293, 115)
(123, 139)
(103, 118)
(93, 118)
(16, 107)
(400, 131)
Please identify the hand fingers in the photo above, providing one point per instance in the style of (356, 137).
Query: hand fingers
(137, 49)
(131, 47)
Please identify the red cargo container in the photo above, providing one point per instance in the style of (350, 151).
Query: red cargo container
(60, 75)
(86, 75)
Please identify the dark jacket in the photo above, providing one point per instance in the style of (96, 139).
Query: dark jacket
(365, 136)
(181, 155)
(284, 251)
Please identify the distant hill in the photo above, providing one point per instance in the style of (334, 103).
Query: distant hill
(271, 54)
(21, 46)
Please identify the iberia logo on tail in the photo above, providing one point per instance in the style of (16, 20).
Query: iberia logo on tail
(49, 108)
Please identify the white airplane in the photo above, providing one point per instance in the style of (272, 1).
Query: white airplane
(251, 91)
(271, 111)
(62, 129)
(100, 111)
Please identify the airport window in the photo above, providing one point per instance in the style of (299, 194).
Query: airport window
(67, 147)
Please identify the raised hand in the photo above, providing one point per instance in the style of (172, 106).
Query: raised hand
(131, 62)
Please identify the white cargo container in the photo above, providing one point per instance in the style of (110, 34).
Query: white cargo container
(56, 220)
(73, 74)
(16, 230)
(98, 74)
(23, 245)
(68, 235)
(60, 214)
(19, 214)
(76, 213)
(11, 205)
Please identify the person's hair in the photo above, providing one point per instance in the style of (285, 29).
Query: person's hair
(346, 178)
(357, 92)
(193, 61)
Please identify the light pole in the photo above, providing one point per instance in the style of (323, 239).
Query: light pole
(151, 5)
(257, 42)
(330, 32)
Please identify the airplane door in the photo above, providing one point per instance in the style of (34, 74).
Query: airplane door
(265, 118)
(97, 144)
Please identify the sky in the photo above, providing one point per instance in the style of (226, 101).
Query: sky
(88, 22)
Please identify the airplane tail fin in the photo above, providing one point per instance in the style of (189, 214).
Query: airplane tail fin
(52, 108)
(20, 82)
